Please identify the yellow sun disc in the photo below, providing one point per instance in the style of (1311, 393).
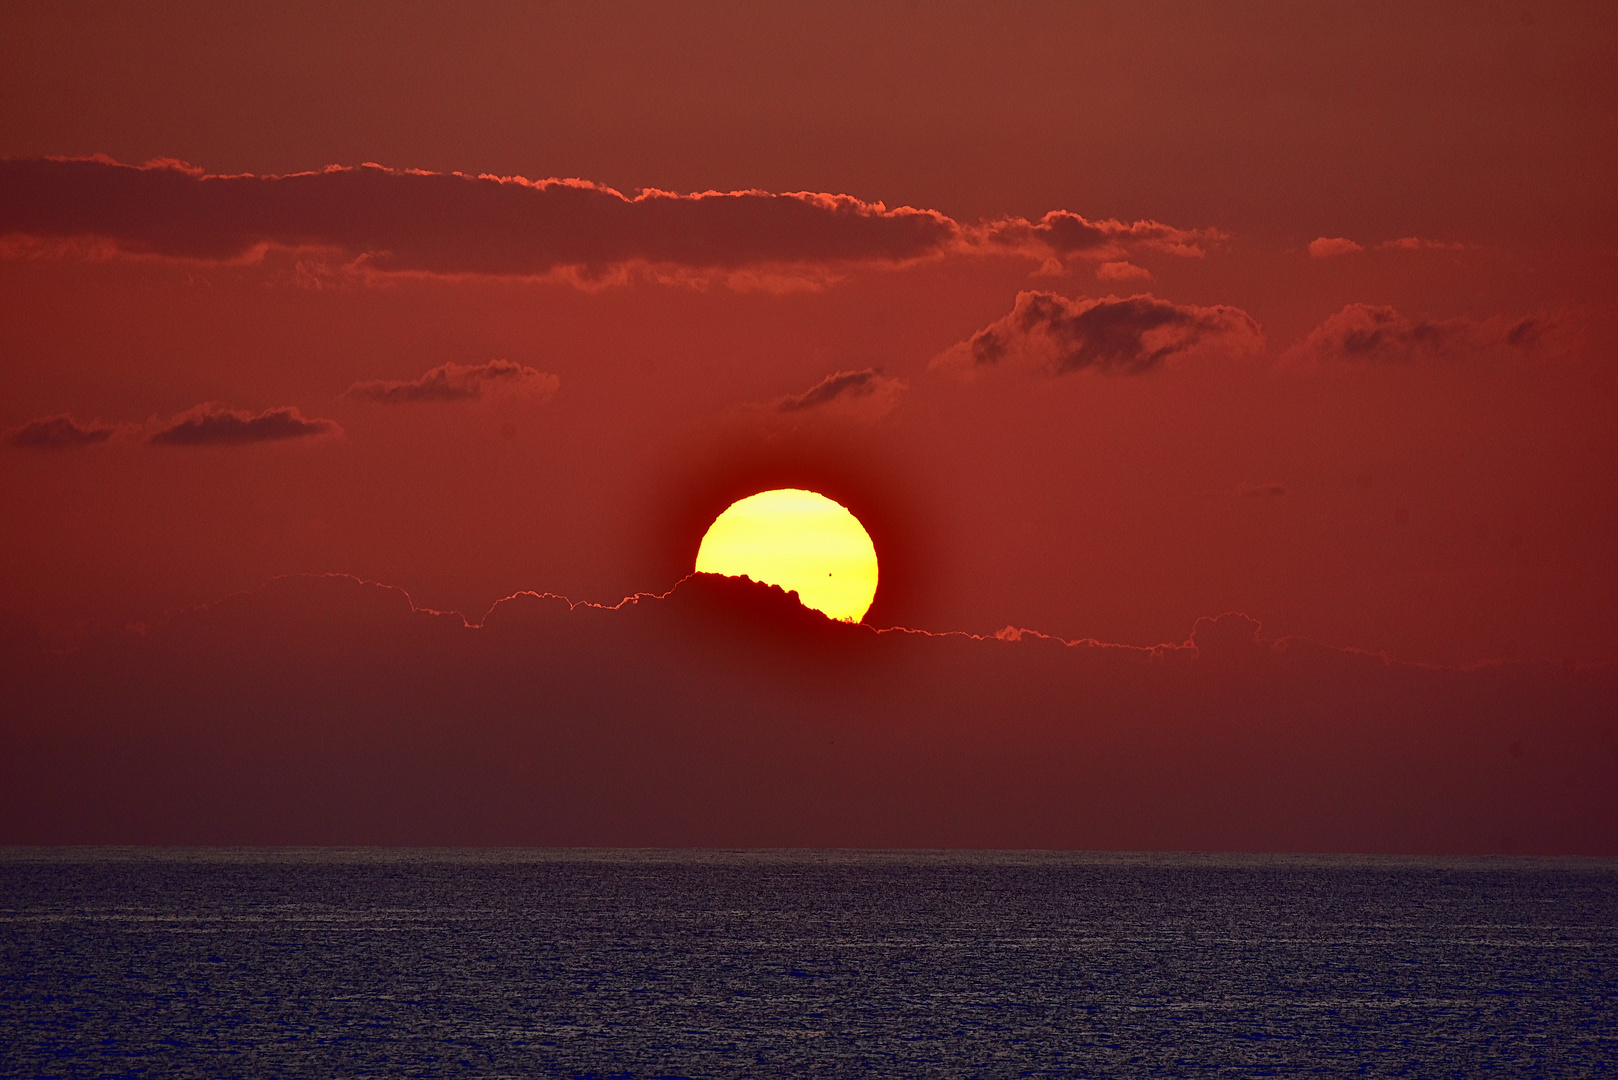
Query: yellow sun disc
(801, 541)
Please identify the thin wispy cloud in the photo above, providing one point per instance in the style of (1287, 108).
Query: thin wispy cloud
(868, 387)
(454, 382)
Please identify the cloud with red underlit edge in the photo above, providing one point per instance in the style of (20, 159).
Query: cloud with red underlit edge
(1112, 335)
(216, 424)
(60, 432)
(327, 710)
(453, 382)
(406, 220)
(1378, 334)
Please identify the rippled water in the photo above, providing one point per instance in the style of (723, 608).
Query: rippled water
(535, 963)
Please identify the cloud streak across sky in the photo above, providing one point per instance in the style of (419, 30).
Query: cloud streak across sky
(216, 424)
(406, 220)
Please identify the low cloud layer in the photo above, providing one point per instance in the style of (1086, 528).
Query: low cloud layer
(460, 382)
(329, 711)
(216, 424)
(1116, 336)
(1375, 334)
(449, 223)
(59, 433)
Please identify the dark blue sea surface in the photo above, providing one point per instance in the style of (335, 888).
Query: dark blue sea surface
(389, 963)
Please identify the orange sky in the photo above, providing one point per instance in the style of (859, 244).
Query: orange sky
(1366, 390)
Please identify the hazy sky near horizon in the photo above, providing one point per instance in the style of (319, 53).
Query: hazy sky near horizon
(1103, 318)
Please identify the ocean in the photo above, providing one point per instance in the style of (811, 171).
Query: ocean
(532, 963)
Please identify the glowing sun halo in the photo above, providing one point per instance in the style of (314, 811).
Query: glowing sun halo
(801, 541)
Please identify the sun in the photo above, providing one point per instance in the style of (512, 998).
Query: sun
(801, 541)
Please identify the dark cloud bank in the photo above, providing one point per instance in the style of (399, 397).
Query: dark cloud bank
(449, 223)
(326, 710)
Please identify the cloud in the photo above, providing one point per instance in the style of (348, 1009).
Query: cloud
(460, 382)
(1122, 271)
(1113, 335)
(1373, 334)
(1062, 234)
(215, 424)
(868, 390)
(1233, 635)
(1417, 243)
(59, 433)
(407, 220)
(1326, 247)
(326, 710)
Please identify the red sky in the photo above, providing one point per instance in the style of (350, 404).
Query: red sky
(1157, 312)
